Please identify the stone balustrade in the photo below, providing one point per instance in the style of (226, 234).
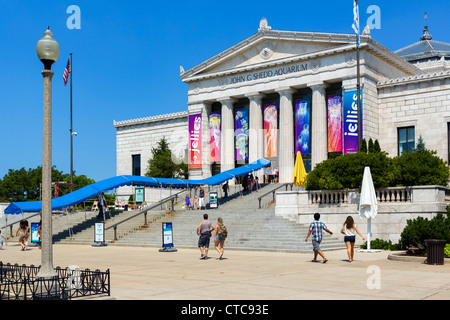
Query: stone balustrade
(396, 205)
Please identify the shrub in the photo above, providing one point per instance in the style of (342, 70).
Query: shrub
(347, 171)
(421, 168)
(418, 230)
(382, 245)
(447, 250)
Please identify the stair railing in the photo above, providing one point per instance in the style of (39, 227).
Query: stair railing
(273, 192)
(171, 198)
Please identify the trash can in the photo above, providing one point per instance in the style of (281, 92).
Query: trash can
(435, 251)
(125, 207)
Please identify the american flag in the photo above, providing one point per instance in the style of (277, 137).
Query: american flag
(67, 71)
(355, 25)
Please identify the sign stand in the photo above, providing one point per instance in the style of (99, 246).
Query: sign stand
(213, 203)
(35, 240)
(167, 238)
(99, 235)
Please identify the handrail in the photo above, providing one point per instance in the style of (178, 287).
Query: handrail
(18, 221)
(273, 192)
(170, 198)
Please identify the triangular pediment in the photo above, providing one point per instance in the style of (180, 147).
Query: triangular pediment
(269, 47)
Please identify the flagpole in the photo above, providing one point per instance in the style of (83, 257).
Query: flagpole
(358, 84)
(71, 130)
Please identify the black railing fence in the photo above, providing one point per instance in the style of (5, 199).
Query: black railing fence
(20, 282)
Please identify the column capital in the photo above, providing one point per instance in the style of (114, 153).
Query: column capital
(317, 85)
(227, 100)
(254, 95)
(285, 90)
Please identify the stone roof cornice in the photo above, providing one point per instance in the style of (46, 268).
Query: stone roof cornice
(414, 79)
(347, 41)
(270, 34)
(163, 117)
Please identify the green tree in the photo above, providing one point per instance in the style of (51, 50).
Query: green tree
(421, 168)
(363, 146)
(376, 146)
(420, 146)
(347, 171)
(161, 165)
(24, 185)
(371, 146)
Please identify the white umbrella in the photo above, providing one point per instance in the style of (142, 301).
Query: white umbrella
(368, 203)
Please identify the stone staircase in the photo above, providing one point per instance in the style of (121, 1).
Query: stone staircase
(249, 228)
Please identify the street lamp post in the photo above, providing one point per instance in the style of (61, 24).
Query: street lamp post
(48, 51)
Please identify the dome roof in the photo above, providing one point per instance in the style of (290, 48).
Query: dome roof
(426, 49)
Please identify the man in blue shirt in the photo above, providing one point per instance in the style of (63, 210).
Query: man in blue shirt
(315, 228)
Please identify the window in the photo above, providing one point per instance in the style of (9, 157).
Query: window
(406, 140)
(136, 164)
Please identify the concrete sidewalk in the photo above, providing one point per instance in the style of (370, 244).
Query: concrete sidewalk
(144, 273)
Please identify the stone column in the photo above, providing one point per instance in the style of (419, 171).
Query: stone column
(227, 136)
(256, 131)
(286, 141)
(319, 133)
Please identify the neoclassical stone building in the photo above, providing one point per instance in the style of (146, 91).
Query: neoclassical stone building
(278, 92)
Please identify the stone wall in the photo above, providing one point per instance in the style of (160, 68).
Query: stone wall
(395, 207)
(423, 102)
(139, 136)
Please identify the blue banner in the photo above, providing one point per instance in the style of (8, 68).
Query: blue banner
(241, 134)
(302, 126)
(351, 121)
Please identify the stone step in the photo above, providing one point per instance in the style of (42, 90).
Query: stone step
(249, 228)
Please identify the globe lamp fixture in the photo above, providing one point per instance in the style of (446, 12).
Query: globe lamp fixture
(47, 49)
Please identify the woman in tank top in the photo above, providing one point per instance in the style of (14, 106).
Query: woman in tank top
(350, 230)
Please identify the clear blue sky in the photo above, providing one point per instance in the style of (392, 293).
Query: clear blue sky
(126, 59)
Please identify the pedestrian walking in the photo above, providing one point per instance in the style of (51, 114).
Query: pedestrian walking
(187, 201)
(204, 230)
(225, 189)
(315, 228)
(220, 235)
(22, 233)
(196, 203)
(101, 206)
(350, 230)
(2, 239)
(201, 198)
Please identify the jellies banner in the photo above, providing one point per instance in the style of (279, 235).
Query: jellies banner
(214, 137)
(335, 123)
(195, 141)
(270, 130)
(241, 134)
(302, 126)
(351, 121)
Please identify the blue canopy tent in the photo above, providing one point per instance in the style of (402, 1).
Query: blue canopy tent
(94, 189)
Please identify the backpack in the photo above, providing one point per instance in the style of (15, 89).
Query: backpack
(222, 232)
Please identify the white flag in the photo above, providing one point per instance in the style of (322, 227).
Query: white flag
(355, 24)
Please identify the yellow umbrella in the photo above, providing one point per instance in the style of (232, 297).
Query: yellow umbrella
(299, 171)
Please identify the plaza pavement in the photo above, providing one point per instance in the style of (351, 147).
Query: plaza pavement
(144, 273)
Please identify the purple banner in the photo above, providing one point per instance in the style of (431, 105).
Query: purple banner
(335, 123)
(195, 141)
(302, 126)
(241, 134)
(351, 121)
